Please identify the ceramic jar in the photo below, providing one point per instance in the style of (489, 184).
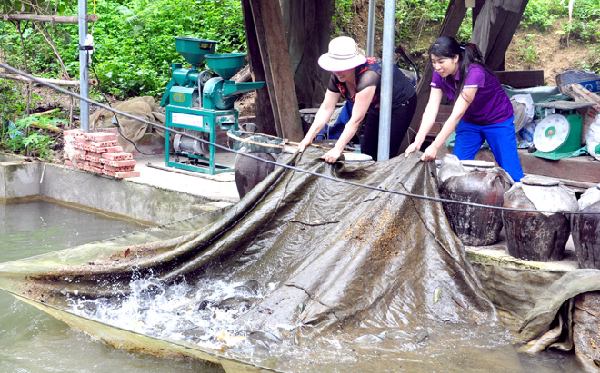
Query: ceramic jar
(586, 229)
(542, 233)
(478, 182)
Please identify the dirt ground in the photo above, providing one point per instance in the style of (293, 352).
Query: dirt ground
(553, 54)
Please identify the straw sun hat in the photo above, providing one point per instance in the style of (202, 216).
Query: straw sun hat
(343, 54)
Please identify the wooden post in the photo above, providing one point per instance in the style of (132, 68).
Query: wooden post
(279, 77)
(494, 27)
(307, 26)
(263, 111)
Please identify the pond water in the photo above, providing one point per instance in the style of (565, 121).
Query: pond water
(32, 341)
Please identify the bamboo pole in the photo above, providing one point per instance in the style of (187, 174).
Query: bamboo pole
(91, 18)
(62, 82)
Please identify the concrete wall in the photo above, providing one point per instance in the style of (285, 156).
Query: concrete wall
(19, 179)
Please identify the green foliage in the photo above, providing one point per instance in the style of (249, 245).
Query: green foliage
(17, 139)
(12, 102)
(134, 40)
(417, 17)
(527, 49)
(135, 43)
(540, 14)
(342, 16)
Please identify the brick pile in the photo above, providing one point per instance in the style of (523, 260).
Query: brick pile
(98, 152)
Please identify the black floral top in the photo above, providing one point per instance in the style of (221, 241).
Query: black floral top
(369, 74)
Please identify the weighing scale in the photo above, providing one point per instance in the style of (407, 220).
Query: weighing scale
(558, 135)
(198, 102)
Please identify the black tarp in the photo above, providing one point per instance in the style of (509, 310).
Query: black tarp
(354, 278)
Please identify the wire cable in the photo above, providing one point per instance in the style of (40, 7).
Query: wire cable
(293, 168)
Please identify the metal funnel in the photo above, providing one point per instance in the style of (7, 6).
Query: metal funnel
(194, 50)
(225, 65)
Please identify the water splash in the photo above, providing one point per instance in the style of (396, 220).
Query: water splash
(200, 313)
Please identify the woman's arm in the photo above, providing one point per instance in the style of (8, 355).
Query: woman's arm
(361, 104)
(429, 115)
(460, 107)
(321, 118)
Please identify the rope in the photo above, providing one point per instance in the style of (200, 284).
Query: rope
(293, 168)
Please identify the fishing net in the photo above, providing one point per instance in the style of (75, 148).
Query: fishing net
(343, 277)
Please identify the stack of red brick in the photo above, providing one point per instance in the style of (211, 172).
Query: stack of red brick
(98, 152)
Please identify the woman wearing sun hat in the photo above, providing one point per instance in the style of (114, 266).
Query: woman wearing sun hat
(357, 79)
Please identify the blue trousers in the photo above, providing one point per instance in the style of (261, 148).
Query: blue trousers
(501, 139)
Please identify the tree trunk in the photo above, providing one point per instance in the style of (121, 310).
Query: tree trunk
(452, 21)
(307, 26)
(495, 24)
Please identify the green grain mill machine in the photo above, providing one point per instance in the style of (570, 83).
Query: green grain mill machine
(197, 102)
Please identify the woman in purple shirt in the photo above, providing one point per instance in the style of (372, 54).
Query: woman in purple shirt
(482, 110)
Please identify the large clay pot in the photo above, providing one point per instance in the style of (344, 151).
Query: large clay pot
(250, 171)
(478, 182)
(586, 229)
(539, 236)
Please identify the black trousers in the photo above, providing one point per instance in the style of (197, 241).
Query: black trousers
(401, 118)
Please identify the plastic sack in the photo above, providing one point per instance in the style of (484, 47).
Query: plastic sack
(586, 78)
(592, 139)
(525, 134)
(524, 110)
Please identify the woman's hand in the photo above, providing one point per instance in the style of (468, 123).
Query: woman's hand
(303, 144)
(411, 149)
(430, 153)
(332, 155)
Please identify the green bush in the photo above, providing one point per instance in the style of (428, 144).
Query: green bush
(17, 138)
(134, 40)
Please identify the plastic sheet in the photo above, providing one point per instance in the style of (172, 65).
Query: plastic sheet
(354, 279)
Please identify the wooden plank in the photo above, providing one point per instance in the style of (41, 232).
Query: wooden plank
(580, 169)
(579, 173)
(521, 78)
(278, 70)
(62, 82)
(263, 111)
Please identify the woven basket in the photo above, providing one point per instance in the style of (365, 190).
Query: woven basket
(256, 142)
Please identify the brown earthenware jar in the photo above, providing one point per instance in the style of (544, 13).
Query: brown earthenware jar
(586, 229)
(482, 183)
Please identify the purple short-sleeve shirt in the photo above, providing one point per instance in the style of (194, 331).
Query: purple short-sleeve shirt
(491, 104)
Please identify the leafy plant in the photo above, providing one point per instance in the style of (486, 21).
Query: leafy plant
(18, 139)
(527, 49)
(342, 16)
(11, 102)
(541, 14)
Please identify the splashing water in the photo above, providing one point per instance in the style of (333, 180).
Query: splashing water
(201, 313)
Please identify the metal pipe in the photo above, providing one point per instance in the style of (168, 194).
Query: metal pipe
(83, 67)
(387, 81)
(371, 29)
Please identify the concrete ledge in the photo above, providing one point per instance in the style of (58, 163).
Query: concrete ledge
(121, 197)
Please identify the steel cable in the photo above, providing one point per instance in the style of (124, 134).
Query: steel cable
(380, 189)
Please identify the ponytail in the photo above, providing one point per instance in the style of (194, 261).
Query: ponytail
(468, 54)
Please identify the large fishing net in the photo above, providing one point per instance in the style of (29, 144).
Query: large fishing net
(304, 273)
